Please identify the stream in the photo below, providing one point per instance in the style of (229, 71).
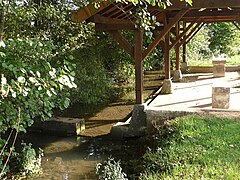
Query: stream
(75, 158)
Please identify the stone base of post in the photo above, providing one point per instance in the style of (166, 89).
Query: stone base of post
(138, 122)
(167, 86)
(184, 67)
(177, 77)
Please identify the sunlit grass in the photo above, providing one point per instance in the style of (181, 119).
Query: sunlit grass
(233, 60)
(196, 148)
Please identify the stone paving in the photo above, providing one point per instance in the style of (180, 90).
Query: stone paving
(194, 92)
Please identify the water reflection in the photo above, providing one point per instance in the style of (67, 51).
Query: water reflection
(67, 157)
(75, 158)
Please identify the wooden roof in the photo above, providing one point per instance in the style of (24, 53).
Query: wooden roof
(205, 10)
(113, 17)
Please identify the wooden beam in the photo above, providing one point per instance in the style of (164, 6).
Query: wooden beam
(184, 45)
(123, 42)
(190, 33)
(214, 19)
(237, 25)
(177, 48)
(199, 28)
(183, 33)
(114, 27)
(167, 56)
(222, 20)
(166, 29)
(106, 20)
(138, 49)
(208, 13)
(88, 11)
(198, 4)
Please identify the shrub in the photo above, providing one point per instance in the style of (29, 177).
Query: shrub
(110, 169)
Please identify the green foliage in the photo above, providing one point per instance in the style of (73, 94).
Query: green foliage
(46, 20)
(35, 77)
(222, 35)
(91, 79)
(110, 169)
(32, 79)
(29, 160)
(198, 50)
(195, 147)
(216, 39)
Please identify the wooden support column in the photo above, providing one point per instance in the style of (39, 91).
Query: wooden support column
(122, 42)
(191, 33)
(199, 28)
(184, 44)
(177, 48)
(167, 83)
(184, 47)
(167, 56)
(183, 34)
(166, 30)
(138, 58)
(177, 74)
(237, 25)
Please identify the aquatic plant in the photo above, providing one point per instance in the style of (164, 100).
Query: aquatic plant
(111, 170)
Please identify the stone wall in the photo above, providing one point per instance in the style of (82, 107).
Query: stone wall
(209, 69)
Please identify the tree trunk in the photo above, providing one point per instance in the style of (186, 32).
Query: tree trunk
(1, 24)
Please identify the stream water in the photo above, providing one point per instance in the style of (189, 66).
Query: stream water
(75, 158)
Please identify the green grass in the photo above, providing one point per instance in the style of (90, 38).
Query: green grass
(233, 60)
(196, 147)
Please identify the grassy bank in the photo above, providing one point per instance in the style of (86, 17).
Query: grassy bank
(233, 60)
(195, 147)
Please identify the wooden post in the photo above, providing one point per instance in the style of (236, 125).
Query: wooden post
(167, 56)
(167, 82)
(184, 44)
(138, 57)
(177, 48)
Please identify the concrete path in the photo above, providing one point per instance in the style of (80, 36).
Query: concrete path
(195, 93)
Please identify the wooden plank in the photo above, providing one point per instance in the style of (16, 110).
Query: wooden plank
(184, 45)
(222, 20)
(88, 11)
(183, 33)
(214, 19)
(199, 28)
(166, 29)
(106, 20)
(123, 42)
(208, 13)
(114, 26)
(167, 56)
(122, 11)
(177, 48)
(237, 25)
(198, 4)
(138, 49)
(190, 33)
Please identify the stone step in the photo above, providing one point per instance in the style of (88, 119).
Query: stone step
(63, 126)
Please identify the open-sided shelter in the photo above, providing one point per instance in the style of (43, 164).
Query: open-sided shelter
(180, 19)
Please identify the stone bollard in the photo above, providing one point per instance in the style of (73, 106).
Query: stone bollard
(184, 67)
(219, 67)
(220, 97)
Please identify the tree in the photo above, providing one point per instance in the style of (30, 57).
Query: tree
(222, 35)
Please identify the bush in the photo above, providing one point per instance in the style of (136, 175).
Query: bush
(35, 77)
(110, 169)
(29, 160)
